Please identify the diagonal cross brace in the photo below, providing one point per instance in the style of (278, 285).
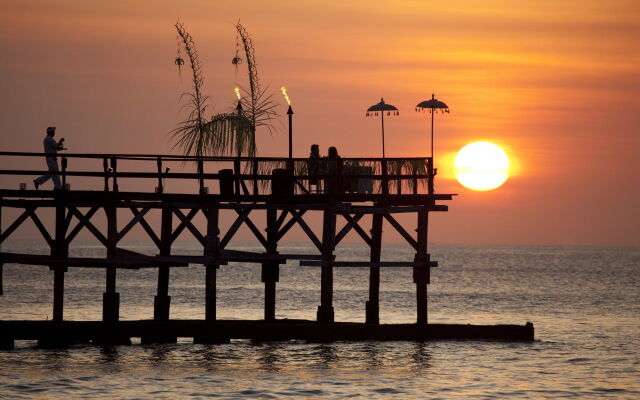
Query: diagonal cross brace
(288, 225)
(185, 222)
(87, 223)
(40, 226)
(79, 225)
(14, 225)
(352, 223)
(147, 228)
(132, 223)
(298, 217)
(401, 230)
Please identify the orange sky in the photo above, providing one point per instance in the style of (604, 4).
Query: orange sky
(555, 83)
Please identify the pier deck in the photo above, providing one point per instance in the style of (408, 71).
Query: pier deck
(267, 196)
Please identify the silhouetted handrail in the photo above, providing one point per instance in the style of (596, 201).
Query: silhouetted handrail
(398, 171)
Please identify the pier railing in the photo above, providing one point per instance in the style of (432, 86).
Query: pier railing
(227, 175)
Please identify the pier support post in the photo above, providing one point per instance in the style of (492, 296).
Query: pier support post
(270, 269)
(325, 310)
(210, 334)
(162, 300)
(59, 249)
(111, 298)
(421, 274)
(212, 249)
(373, 304)
(1, 264)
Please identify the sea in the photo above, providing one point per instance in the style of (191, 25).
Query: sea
(584, 303)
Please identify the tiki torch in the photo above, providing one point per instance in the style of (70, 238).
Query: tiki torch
(290, 114)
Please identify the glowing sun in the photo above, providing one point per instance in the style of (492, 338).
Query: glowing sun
(481, 166)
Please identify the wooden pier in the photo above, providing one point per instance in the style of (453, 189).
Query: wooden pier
(269, 196)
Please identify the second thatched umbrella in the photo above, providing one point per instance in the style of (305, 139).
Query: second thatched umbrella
(381, 108)
(433, 105)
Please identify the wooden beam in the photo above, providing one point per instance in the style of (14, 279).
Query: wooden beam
(292, 221)
(18, 221)
(147, 228)
(400, 229)
(87, 223)
(89, 262)
(308, 231)
(132, 223)
(186, 222)
(80, 224)
(40, 226)
(365, 264)
(358, 228)
(242, 214)
(256, 231)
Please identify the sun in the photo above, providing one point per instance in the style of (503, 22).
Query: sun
(481, 166)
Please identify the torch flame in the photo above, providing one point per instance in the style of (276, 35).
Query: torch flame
(284, 93)
(237, 90)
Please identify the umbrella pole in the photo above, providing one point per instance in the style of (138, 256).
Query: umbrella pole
(432, 112)
(382, 119)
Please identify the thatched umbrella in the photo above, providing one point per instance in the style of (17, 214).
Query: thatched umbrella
(382, 107)
(433, 105)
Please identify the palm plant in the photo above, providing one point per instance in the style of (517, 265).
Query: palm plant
(221, 135)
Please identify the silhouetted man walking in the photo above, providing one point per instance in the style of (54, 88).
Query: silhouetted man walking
(51, 148)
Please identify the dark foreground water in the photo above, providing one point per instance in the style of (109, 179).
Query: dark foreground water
(583, 301)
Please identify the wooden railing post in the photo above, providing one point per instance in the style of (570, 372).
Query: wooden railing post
(340, 189)
(431, 176)
(255, 180)
(384, 183)
(201, 175)
(236, 175)
(114, 169)
(63, 164)
(159, 166)
(414, 172)
(105, 167)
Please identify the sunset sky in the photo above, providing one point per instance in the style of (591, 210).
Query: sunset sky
(556, 84)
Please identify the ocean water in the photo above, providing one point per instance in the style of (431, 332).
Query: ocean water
(584, 303)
